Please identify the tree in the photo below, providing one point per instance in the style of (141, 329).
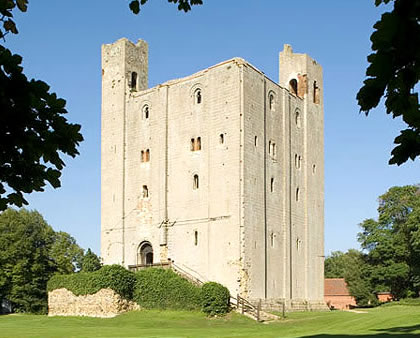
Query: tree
(33, 129)
(25, 265)
(393, 73)
(90, 262)
(65, 253)
(183, 5)
(392, 242)
(353, 267)
(30, 253)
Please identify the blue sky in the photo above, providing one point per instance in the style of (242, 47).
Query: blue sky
(61, 43)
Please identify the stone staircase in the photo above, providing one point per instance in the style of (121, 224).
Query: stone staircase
(244, 307)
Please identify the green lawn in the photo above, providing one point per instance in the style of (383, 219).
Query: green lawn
(385, 321)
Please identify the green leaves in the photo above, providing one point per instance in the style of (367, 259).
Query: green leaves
(6, 7)
(90, 262)
(33, 133)
(183, 5)
(393, 73)
(135, 6)
(164, 289)
(392, 242)
(22, 5)
(9, 25)
(114, 277)
(215, 299)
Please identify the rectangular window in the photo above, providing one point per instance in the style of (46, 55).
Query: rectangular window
(196, 237)
(145, 192)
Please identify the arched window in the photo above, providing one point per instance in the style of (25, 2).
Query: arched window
(196, 183)
(297, 119)
(298, 160)
(145, 155)
(297, 194)
(316, 93)
(145, 112)
(197, 96)
(133, 84)
(195, 144)
(221, 138)
(271, 101)
(145, 254)
(272, 184)
(293, 86)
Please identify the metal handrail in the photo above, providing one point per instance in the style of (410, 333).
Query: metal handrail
(185, 274)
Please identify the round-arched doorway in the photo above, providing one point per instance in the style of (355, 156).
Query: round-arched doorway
(145, 254)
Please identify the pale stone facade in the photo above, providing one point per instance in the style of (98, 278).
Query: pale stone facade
(221, 172)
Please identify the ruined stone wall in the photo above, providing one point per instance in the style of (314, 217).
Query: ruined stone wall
(105, 303)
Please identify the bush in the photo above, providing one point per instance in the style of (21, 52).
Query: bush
(164, 289)
(152, 288)
(114, 277)
(215, 299)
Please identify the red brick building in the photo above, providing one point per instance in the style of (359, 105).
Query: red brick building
(384, 297)
(337, 295)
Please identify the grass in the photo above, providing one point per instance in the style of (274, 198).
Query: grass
(394, 320)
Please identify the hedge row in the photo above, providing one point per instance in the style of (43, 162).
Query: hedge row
(150, 288)
(114, 277)
(164, 289)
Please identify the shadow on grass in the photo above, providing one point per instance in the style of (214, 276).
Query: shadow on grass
(403, 332)
(378, 335)
(401, 329)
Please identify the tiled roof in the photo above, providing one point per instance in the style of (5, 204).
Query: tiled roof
(335, 287)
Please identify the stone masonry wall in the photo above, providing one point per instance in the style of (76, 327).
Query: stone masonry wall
(105, 303)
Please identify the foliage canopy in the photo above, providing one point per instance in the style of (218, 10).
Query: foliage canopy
(390, 260)
(183, 5)
(393, 73)
(392, 242)
(30, 253)
(34, 133)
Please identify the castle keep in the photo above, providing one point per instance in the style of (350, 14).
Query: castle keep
(221, 172)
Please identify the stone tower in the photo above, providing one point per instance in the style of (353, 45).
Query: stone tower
(122, 64)
(220, 173)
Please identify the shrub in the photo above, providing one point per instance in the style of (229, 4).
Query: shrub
(114, 277)
(215, 299)
(164, 289)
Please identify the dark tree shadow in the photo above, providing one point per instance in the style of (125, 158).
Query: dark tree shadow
(378, 335)
(401, 329)
(403, 332)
